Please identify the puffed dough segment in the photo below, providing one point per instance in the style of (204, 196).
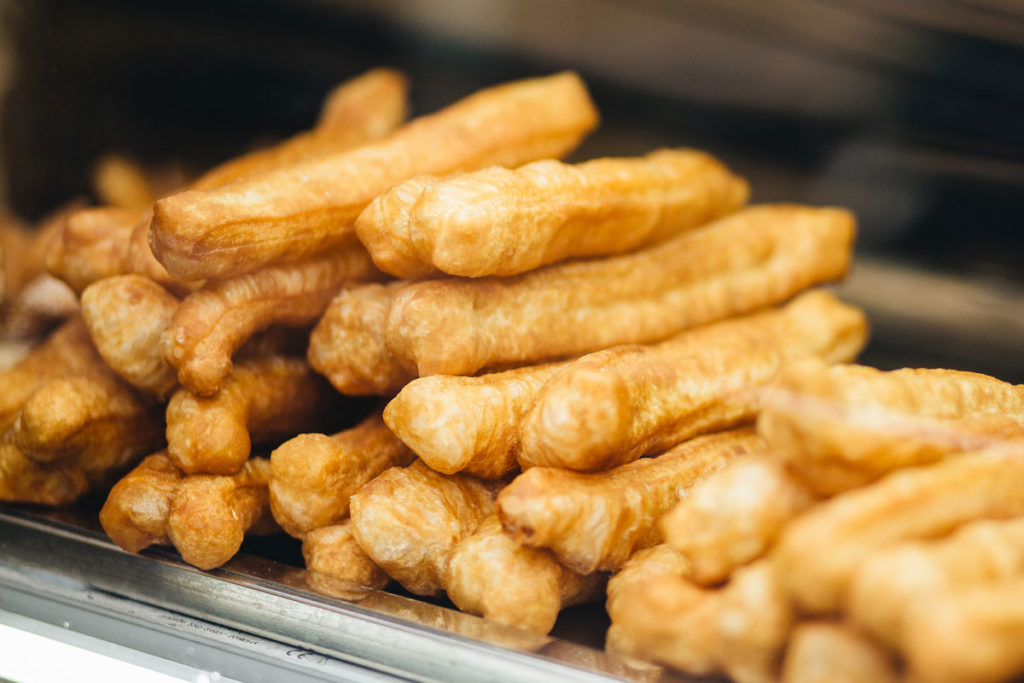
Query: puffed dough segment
(263, 398)
(408, 520)
(491, 575)
(212, 323)
(834, 652)
(734, 516)
(92, 246)
(893, 583)
(596, 521)
(468, 424)
(613, 406)
(126, 316)
(915, 503)
(740, 629)
(972, 635)
(25, 481)
(498, 221)
(754, 258)
(334, 552)
(205, 517)
(313, 475)
(348, 346)
(848, 425)
(295, 211)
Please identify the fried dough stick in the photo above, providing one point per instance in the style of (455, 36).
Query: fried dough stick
(205, 517)
(734, 516)
(295, 211)
(915, 503)
(408, 520)
(25, 481)
(333, 551)
(263, 398)
(126, 316)
(754, 258)
(832, 652)
(121, 183)
(889, 585)
(212, 323)
(971, 635)
(313, 475)
(14, 237)
(498, 221)
(468, 424)
(740, 629)
(596, 521)
(613, 406)
(92, 246)
(348, 345)
(491, 575)
(848, 425)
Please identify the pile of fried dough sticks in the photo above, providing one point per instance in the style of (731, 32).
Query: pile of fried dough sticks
(573, 358)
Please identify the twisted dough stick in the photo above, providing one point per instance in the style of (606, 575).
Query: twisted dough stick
(213, 322)
(754, 258)
(92, 246)
(833, 652)
(333, 551)
(498, 221)
(845, 426)
(295, 211)
(25, 481)
(596, 521)
(613, 406)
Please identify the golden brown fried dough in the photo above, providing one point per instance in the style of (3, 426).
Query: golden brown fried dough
(757, 257)
(13, 351)
(491, 575)
(212, 323)
(889, 585)
(92, 246)
(205, 517)
(122, 184)
(14, 238)
(313, 475)
(915, 503)
(25, 481)
(740, 628)
(972, 635)
(262, 399)
(498, 221)
(40, 305)
(126, 316)
(359, 110)
(613, 406)
(348, 345)
(295, 211)
(333, 551)
(408, 520)
(97, 423)
(845, 426)
(139, 260)
(734, 516)
(596, 521)
(832, 652)
(467, 424)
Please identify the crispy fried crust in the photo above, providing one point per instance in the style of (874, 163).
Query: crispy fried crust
(333, 551)
(25, 481)
(491, 575)
(126, 316)
(205, 517)
(139, 259)
(754, 258)
(348, 345)
(313, 475)
(891, 584)
(408, 520)
(596, 521)
(733, 516)
(92, 246)
(292, 212)
(909, 504)
(611, 407)
(263, 398)
(467, 424)
(498, 221)
(845, 426)
(212, 323)
(833, 652)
